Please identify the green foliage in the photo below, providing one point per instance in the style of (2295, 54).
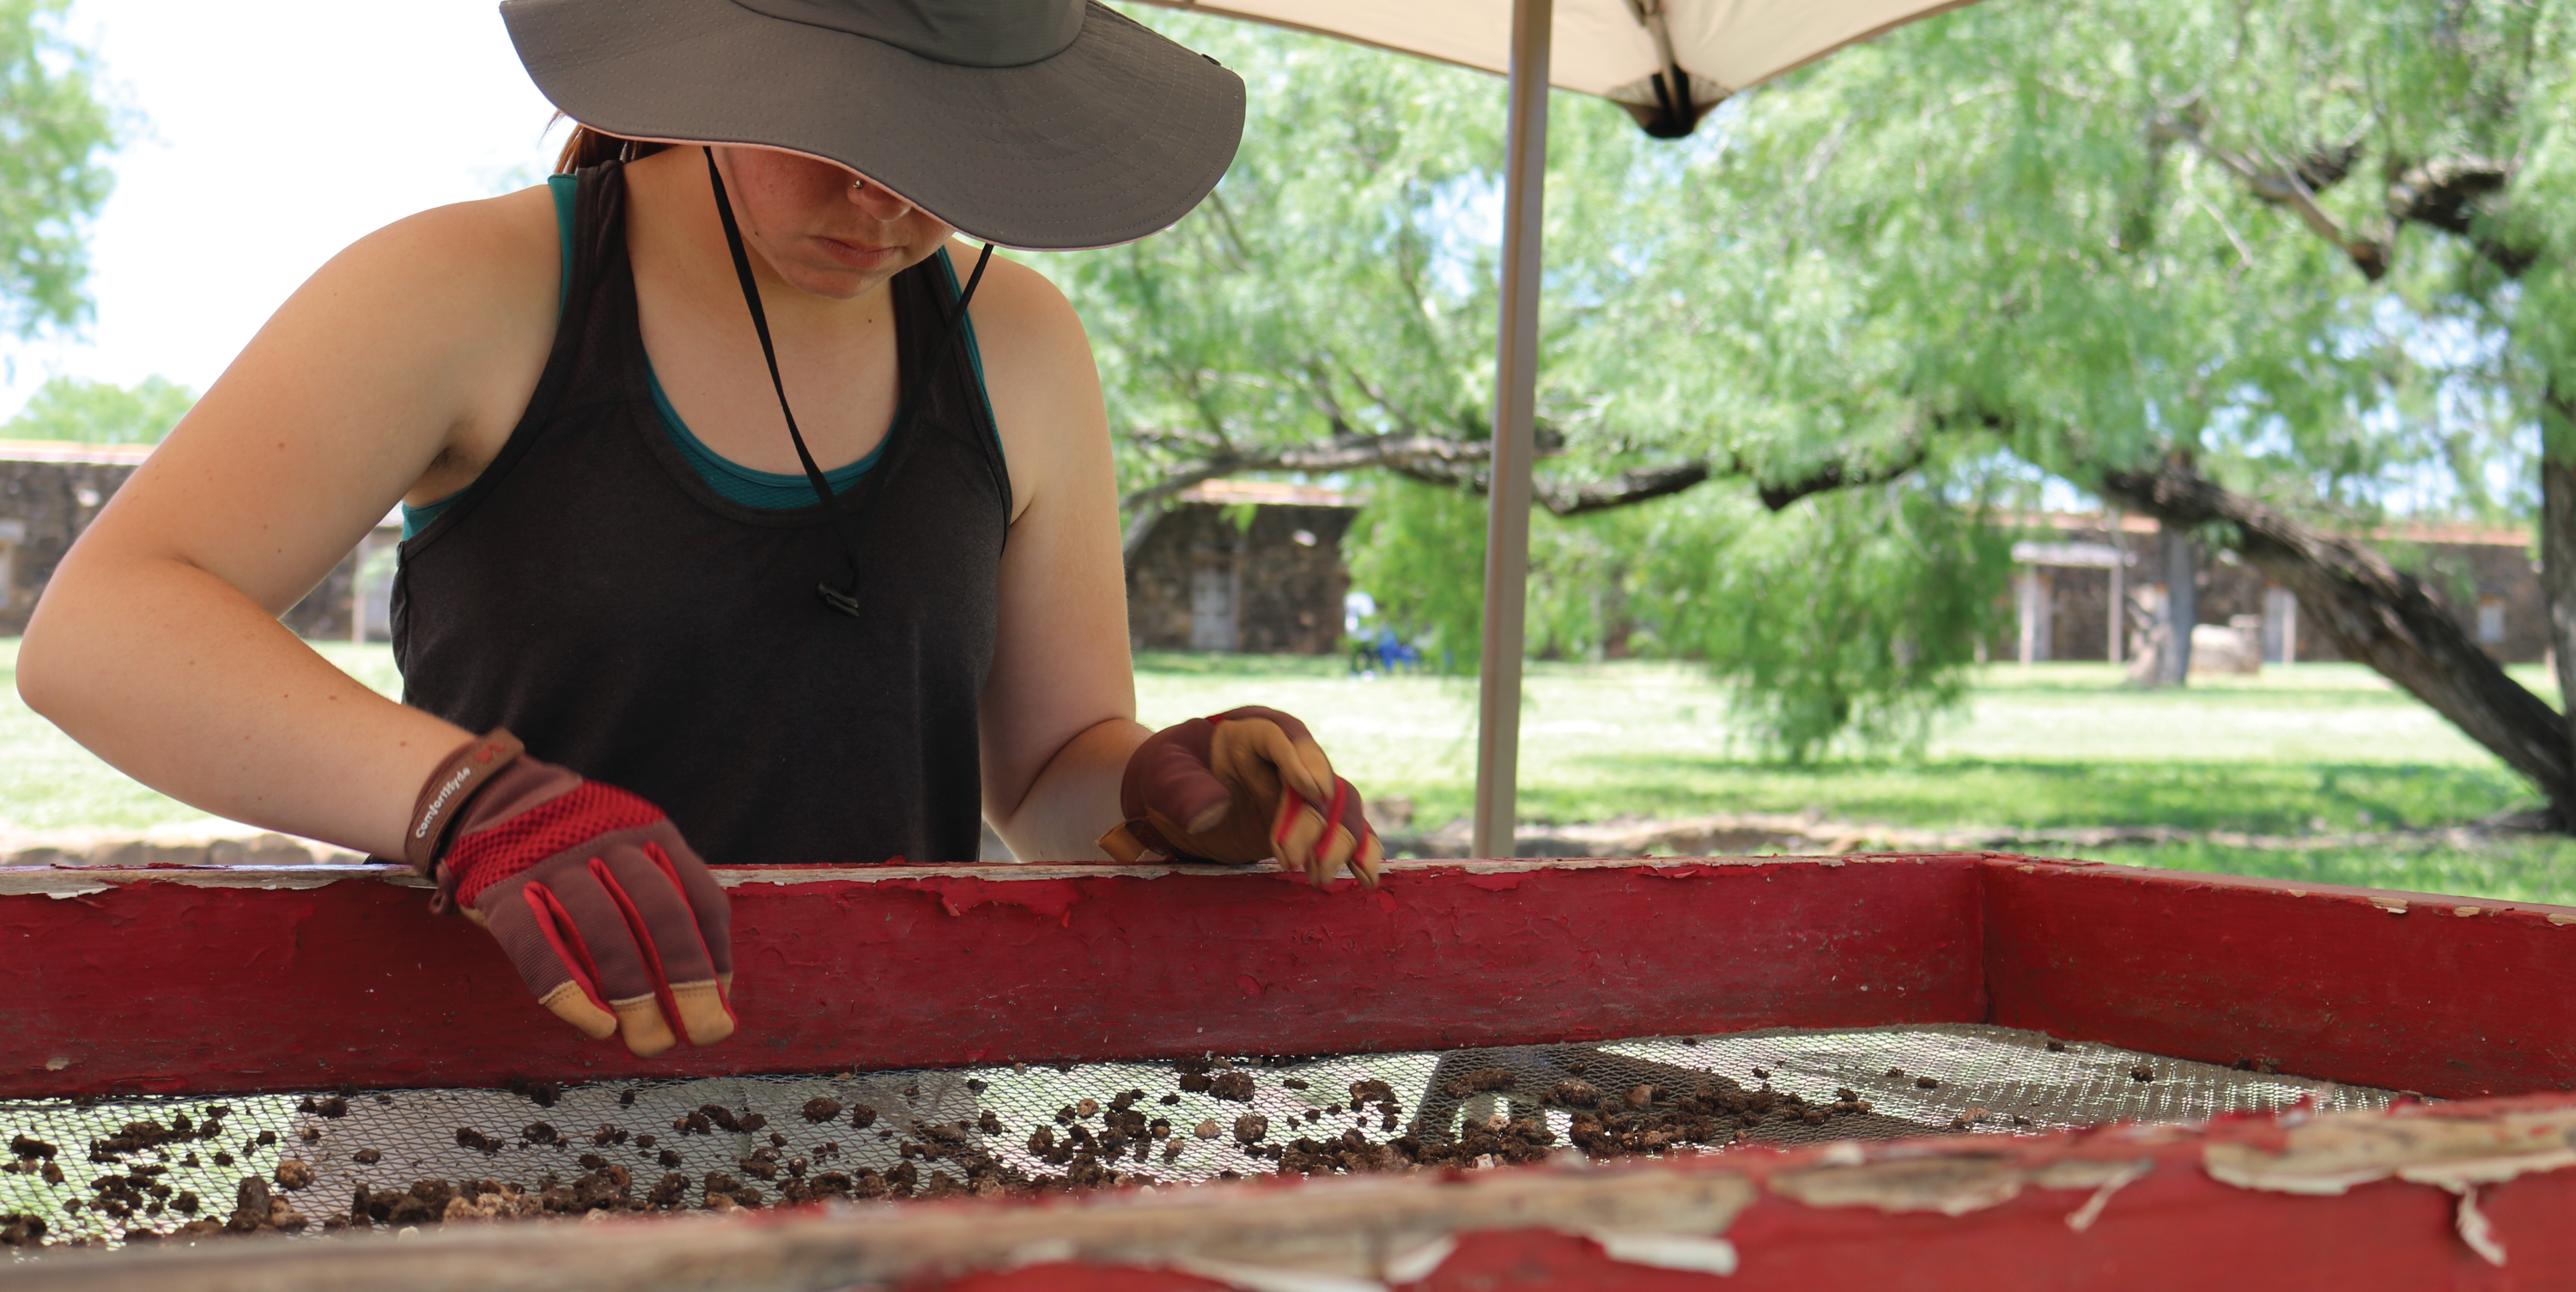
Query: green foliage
(1852, 613)
(101, 412)
(1998, 223)
(1419, 550)
(1997, 248)
(54, 134)
(1320, 287)
(1334, 285)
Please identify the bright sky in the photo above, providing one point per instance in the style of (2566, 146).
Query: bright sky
(268, 135)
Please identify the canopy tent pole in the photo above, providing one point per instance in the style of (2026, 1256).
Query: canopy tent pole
(1498, 717)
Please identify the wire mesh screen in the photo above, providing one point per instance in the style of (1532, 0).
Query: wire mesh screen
(127, 1170)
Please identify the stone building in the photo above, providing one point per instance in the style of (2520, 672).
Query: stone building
(51, 490)
(1240, 565)
(2073, 569)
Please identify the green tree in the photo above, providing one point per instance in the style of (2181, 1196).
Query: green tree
(2268, 274)
(101, 412)
(1329, 311)
(54, 138)
(2255, 272)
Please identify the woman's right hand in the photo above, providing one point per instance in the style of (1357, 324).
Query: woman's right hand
(612, 920)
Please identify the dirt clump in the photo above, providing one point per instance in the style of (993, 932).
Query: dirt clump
(541, 1093)
(292, 1174)
(1479, 1081)
(821, 1108)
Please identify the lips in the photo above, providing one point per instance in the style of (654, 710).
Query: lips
(858, 255)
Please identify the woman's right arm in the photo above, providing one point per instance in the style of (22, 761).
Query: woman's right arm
(397, 371)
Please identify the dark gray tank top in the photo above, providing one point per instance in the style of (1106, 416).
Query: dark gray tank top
(593, 595)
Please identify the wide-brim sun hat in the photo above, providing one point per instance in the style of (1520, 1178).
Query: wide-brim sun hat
(1044, 125)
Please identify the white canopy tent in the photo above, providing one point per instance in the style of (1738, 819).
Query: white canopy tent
(1617, 49)
(1667, 62)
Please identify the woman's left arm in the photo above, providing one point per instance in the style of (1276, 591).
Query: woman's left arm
(1059, 709)
(1063, 773)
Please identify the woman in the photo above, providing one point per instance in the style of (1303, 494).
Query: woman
(770, 630)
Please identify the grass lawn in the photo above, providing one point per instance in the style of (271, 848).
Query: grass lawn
(2316, 748)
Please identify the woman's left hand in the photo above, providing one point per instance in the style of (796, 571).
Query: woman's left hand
(1242, 786)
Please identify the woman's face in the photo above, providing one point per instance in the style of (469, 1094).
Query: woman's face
(819, 231)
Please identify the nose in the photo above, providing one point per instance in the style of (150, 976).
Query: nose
(876, 201)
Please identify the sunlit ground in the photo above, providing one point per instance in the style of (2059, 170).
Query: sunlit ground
(2316, 749)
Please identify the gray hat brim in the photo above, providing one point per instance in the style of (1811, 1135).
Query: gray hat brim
(1115, 137)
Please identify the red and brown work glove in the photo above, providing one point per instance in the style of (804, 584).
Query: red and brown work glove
(610, 917)
(1243, 786)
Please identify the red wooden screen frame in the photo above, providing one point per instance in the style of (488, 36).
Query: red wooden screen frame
(202, 980)
(205, 980)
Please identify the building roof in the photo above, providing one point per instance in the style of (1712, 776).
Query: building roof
(2455, 532)
(1275, 493)
(122, 455)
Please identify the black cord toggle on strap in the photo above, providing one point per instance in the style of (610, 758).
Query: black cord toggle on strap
(846, 526)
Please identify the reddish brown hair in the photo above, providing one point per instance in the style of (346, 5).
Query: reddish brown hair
(589, 147)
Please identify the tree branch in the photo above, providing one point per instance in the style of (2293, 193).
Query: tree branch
(2447, 194)
(2376, 615)
(1833, 475)
(2294, 186)
(1439, 457)
(1462, 464)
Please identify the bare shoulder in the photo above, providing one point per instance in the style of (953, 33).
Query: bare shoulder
(400, 367)
(1038, 371)
(496, 255)
(1017, 306)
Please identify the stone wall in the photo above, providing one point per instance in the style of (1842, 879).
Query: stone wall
(1286, 569)
(2461, 576)
(45, 505)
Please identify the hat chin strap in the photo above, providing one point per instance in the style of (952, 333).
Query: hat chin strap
(845, 522)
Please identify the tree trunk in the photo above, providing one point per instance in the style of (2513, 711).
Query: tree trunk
(2558, 537)
(2379, 617)
(2182, 605)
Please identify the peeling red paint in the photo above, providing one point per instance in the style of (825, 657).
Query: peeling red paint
(168, 986)
(2316, 979)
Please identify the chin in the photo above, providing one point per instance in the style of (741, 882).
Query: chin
(841, 284)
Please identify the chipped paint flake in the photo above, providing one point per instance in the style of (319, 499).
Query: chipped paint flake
(1950, 1185)
(1415, 1264)
(2335, 1153)
(2109, 1178)
(1267, 1278)
(2474, 1229)
(1693, 1252)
